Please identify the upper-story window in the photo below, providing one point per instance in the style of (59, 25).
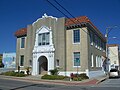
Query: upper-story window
(43, 39)
(23, 42)
(76, 36)
(91, 38)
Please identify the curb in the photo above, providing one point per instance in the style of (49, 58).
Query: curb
(69, 83)
(101, 80)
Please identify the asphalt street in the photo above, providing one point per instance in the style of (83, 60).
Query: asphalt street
(110, 84)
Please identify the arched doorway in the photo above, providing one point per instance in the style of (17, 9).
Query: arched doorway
(43, 65)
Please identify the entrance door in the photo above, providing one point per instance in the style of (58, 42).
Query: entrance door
(43, 65)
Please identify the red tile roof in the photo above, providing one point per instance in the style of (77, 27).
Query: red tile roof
(21, 32)
(80, 20)
(77, 20)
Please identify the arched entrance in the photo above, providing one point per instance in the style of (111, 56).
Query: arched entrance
(43, 65)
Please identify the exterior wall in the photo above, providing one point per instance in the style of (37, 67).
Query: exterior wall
(114, 56)
(60, 43)
(20, 51)
(97, 51)
(29, 46)
(82, 47)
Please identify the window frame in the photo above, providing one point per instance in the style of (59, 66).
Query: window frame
(57, 63)
(92, 60)
(21, 42)
(45, 36)
(74, 60)
(73, 38)
(91, 38)
(20, 61)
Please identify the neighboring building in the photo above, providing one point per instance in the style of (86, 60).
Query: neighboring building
(1, 57)
(9, 60)
(1, 64)
(113, 55)
(74, 45)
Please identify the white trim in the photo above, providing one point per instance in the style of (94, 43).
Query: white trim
(67, 73)
(44, 50)
(43, 17)
(92, 60)
(96, 61)
(90, 74)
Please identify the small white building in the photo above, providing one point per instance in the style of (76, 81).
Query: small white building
(113, 55)
(9, 60)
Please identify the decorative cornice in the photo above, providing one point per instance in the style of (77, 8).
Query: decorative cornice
(43, 17)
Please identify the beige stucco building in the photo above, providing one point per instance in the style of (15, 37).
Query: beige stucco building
(113, 55)
(75, 45)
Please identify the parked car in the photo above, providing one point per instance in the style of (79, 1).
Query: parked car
(113, 73)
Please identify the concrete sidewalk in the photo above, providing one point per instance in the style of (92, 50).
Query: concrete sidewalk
(37, 79)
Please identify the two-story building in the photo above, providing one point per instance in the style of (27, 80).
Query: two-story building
(75, 45)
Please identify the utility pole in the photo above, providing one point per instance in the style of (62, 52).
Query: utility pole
(106, 60)
(108, 29)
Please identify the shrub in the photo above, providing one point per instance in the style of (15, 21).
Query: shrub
(20, 75)
(83, 76)
(12, 73)
(53, 77)
(9, 73)
(79, 77)
(54, 71)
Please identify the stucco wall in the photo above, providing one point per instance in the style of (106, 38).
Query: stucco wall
(82, 47)
(20, 51)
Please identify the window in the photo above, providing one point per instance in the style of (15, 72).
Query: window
(43, 39)
(95, 40)
(76, 34)
(91, 38)
(22, 42)
(92, 61)
(22, 60)
(30, 62)
(98, 61)
(76, 58)
(57, 63)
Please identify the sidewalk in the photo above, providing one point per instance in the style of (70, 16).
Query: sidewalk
(37, 79)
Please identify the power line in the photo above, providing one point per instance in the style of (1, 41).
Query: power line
(70, 14)
(64, 13)
(64, 8)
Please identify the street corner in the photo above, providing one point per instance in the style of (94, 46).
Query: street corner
(102, 79)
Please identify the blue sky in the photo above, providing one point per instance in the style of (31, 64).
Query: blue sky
(16, 14)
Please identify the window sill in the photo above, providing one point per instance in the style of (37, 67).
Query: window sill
(76, 43)
(76, 66)
(21, 66)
